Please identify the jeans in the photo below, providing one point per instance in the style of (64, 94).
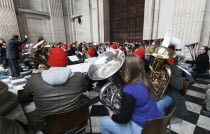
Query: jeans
(189, 76)
(165, 102)
(108, 126)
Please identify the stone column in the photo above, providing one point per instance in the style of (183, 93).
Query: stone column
(8, 23)
(57, 20)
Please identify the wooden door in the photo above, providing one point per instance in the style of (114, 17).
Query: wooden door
(127, 17)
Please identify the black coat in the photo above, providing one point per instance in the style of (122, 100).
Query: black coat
(202, 63)
(12, 50)
(174, 87)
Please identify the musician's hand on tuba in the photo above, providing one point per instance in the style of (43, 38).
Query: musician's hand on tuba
(111, 113)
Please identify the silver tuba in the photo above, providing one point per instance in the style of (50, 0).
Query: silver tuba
(105, 66)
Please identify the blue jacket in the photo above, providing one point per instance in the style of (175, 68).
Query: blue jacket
(137, 105)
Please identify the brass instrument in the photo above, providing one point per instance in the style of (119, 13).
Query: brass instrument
(39, 54)
(105, 66)
(110, 97)
(160, 72)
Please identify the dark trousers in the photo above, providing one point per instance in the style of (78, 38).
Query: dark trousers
(14, 67)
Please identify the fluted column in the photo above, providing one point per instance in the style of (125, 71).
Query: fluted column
(56, 13)
(185, 18)
(8, 22)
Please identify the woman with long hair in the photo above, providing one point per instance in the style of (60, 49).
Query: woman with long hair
(138, 103)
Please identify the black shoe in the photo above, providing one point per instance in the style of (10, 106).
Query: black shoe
(191, 83)
(29, 67)
(205, 113)
(203, 104)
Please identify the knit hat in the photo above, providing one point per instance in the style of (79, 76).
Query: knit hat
(140, 52)
(91, 51)
(114, 46)
(122, 48)
(171, 47)
(171, 61)
(69, 46)
(57, 57)
(65, 48)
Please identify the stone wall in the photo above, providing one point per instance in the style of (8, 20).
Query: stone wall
(184, 17)
(8, 23)
(205, 34)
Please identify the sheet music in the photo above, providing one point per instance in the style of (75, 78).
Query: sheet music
(73, 58)
(83, 67)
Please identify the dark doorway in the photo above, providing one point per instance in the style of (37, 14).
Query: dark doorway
(126, 20)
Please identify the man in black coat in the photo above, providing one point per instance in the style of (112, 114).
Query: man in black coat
(12, 53)
(202, 63)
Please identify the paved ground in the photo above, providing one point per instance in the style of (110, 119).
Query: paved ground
(194, 123)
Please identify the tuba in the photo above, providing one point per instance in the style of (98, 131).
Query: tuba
(39, 54)
(160, 72)
(105, 66)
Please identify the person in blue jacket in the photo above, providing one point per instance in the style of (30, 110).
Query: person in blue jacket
(138, 103)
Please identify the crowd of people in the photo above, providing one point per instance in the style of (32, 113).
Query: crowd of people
(59, 89)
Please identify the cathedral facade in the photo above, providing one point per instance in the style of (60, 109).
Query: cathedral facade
(106, 20)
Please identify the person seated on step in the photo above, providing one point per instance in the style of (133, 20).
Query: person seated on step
(54, 90)
(206, 103)
(172, 94)
(201, 62)
(138, 103)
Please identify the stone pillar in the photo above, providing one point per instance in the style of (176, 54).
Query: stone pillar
(104, 21)
(8, 23)
(205, 33)
(184, 17)
(57, 20)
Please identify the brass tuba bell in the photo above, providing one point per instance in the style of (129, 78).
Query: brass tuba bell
(39, 54)
(160, 72)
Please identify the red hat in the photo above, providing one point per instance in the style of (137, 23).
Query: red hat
(65, 48)
(91, 51)
(69, 46)
(122, 48)
(171, 61)
(114, 46)
(140, 52)
(57, 57)
(171, 47)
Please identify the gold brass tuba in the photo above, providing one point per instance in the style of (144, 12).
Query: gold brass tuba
(39, 54)
(105, 66)
(160, 72)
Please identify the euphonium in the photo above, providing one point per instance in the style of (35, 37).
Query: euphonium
(110, 96)
(39, 54)
(105, 66)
